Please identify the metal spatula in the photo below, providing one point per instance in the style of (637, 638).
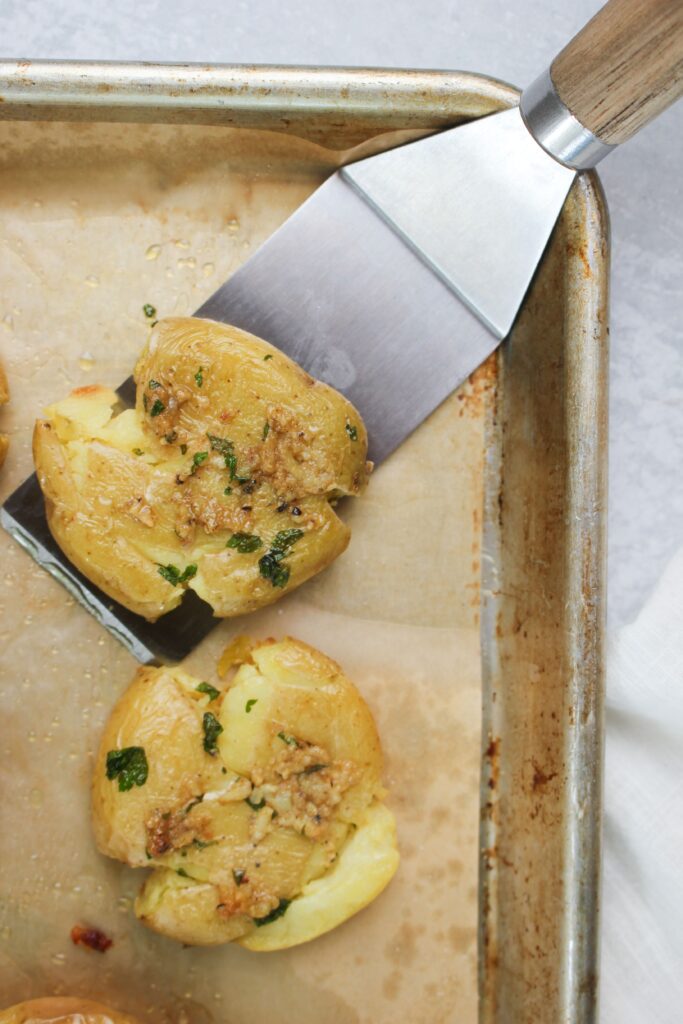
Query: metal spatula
(405, 270)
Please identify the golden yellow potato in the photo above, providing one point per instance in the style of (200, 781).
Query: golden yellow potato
(4, 398)
(222, 478)
(259, 806)
(61, 1010)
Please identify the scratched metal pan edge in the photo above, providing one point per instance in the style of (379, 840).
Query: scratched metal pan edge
(543, 627)
(543, 580)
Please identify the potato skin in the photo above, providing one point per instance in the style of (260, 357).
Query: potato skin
(228, 436)
(62, 1010)
(285, 810)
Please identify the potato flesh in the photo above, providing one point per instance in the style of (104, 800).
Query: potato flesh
(124, 492)
(365, 867)
(302, 693)
(221, 861)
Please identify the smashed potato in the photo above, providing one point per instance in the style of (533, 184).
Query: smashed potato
(4, 398)
(258, 806)
(61, 1010)
(221, 479)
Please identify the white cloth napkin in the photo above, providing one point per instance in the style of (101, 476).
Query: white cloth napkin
(642, 916)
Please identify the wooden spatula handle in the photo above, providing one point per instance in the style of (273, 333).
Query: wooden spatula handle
(623, 68)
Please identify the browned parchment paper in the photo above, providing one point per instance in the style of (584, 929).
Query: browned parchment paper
(95, 221)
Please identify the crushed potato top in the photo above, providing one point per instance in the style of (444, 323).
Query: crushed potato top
(222, 479)
(239, 798)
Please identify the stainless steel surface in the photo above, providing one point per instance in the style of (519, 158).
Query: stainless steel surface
(341, 293)
(60, 570)
(555, 128)
(543, 597)
(339, 107)
(543, 624)
(478, 204)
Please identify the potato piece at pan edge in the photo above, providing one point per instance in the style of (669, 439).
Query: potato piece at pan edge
(259, 807)
(62, 1010)
(221, 479)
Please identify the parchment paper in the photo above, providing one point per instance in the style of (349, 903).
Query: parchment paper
(95, 221)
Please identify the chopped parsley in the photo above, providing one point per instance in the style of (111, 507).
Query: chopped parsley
(245, 543)
(157, 408)
(238, 874)
(270, 569)
(227, 450)
(198, 459)
(285, 538)
(311, 768)
(228, 490)
(291, 741)
(270, 565)
(153, 385)
(182, 872)
(212, 730)
(173, 575)
(279, 910)
(209, 690)
(351, 431)
(269, 356)
(138, 451)
(250, 703)
(266, 430)
(202, 844)
(149, 310)
(255, 807)
(199, 377)
(145, 402)
(129, 766)
(193, 803)
(221, 444)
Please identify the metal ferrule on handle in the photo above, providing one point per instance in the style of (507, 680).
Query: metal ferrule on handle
(556, 129)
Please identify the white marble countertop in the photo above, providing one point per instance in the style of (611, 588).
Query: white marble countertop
(512, 41)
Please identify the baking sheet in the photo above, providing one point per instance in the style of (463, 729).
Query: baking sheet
(95, 221)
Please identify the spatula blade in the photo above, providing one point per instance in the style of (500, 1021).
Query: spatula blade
(343, 294)
(478, 203)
